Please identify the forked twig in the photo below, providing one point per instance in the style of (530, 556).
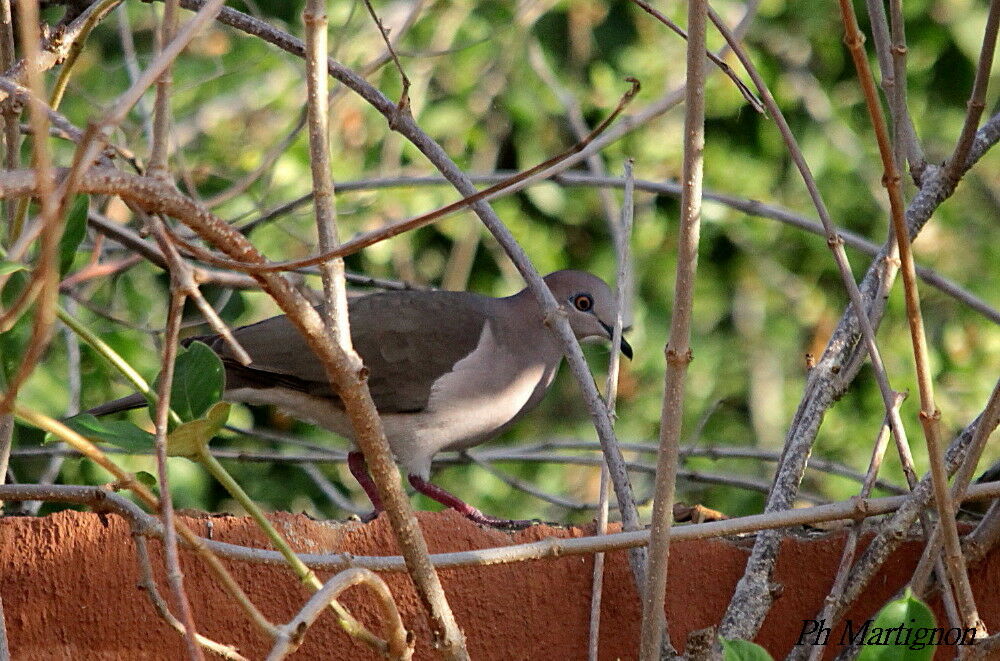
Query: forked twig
(930, 416)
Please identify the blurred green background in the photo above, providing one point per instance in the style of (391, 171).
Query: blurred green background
(482, 74)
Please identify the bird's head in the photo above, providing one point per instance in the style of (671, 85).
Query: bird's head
(589, 303)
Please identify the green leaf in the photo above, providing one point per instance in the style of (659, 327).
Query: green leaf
(190, 438)
(75, 230)
(6, 268)
(120, 433)
(198, 382)
(146, 479)
(909, 617)
(743, 650)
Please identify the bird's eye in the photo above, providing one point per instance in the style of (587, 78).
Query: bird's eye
(583, 302)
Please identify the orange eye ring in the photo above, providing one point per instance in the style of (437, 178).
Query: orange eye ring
(583, 302)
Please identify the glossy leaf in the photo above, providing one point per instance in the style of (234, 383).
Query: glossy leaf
(883, 643)
(198, 381)
(120, 433)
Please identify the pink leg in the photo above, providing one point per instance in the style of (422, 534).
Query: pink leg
(459, 505)
(359, 469)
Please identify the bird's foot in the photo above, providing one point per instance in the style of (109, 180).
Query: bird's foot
(454, 502)
(498, 523)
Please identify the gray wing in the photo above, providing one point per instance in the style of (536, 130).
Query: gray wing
(406, 339)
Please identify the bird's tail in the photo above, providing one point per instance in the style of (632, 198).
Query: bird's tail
(128, 403)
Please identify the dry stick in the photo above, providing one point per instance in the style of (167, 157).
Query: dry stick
(290, 635)
(955, 167)
(749, 206)
(891, 52)
(654, 636)
(848, 510)
(240, 186)
(128, 481)
(46, 271)
(986, 535)
(851, 543)
(131, 62)
(594, 161)
(752, 599)
(184, 275)
(915, 153)
(525, 486)
(11, 114)
(159, 148)
(175, 577)
(335, 315)
(328, 489)
(621, 234)
(375, 448)
(267, 161)
(930, 416)
(76, 47)
(987, 424)
(147, 583)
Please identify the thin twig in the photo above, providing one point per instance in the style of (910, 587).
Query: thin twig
(175, 577)
(893, 531)
(930, 416)
(472, 199)
(11, 114)
(622, 233)
(46, 270)
(955, 167)
(891, 52)
(160, 147)
(854, 532)
(655, 636)
(747, 93)
(848, 510)
(290, 636)
(448, 636)
(147, 582)
(987, 424)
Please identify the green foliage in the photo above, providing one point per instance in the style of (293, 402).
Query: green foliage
(907, 611)
(190, 438)
(743, 650)
(120, 433)
(198, 381)
(73, 233)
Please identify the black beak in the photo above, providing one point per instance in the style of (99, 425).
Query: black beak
(626, 347)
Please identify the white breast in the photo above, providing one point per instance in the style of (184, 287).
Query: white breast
(484, 392)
